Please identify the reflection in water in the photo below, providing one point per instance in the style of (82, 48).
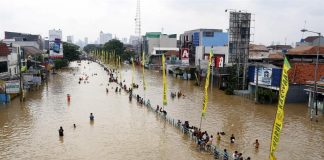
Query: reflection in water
(124, 130)
(61, 139)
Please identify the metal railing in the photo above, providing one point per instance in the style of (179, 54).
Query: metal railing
(212, 149)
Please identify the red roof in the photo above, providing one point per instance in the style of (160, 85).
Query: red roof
(310, 38)
(4, 50)
(305, 50)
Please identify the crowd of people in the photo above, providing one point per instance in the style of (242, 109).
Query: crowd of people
(203, 139)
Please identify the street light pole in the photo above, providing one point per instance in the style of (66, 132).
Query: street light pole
(316, 69)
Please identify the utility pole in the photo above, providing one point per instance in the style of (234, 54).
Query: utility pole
(256, 84)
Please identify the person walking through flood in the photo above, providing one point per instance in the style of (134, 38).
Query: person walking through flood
(61, 131)
(91, 117)
(256, 144)
(232, 138)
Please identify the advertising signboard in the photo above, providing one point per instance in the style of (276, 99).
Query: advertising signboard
(56, 49)
(219, 61)
(12, 87)
(264, 76)
(185, 55)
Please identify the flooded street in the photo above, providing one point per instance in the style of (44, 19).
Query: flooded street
(125, 130)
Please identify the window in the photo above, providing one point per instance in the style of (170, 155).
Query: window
(3, 66)
(208, 34)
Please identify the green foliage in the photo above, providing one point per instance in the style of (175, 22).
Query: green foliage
(90, 47)
(71, 51)
(114, 45)
(60, 63)
(266, 95)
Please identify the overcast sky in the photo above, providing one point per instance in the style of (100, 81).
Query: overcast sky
(275, 20)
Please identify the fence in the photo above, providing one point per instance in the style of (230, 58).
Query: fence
(214, 150)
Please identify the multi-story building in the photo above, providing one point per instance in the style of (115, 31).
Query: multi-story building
(104, 37)
(190, 40)
(55, 34)
(155, 44)
(4, 67)
(70, 39)
(25, 39)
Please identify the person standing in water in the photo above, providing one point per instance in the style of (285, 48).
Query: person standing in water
(91, 117)
(61, 131)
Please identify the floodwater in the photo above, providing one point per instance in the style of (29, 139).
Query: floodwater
(124, 130)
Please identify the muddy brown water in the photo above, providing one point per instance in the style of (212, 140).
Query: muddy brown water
(125, 130)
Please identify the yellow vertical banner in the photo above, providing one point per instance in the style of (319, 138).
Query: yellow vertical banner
(164, 81)
(205, 101)
(143, 64)
(278, 122)
(133, 65)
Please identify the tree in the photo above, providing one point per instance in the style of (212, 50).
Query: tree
(114, 45)
(90, 47)
(71, 51)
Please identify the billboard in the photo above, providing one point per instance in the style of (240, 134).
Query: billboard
(12, 87)
(185, 55)
(56, 49)
(264, 76)
(219, 61)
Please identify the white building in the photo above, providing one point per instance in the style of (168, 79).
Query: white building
(70, 39)
(220, 56)
(55, 34)
(104, 37)
(133, 40)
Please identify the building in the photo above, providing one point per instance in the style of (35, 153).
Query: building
(279, 48)
(25, 39)
(124, 40)
(311, 41)
(4, 66)
(155, 44)
(202, 37)
(104, 37)
(158, 43)
(258, 53)
(220, 56)
(70, 39)
(55, 34)
(85, 41)
(303, 62)
(133, 40)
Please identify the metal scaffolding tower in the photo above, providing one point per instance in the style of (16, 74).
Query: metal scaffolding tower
(239, 40)
(138, 26)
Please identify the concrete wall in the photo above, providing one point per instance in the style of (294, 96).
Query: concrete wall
(201, 50)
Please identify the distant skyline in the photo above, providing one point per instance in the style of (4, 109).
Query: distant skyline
(275, 21)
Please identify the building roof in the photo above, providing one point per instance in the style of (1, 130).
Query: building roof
(280, 47)
(310, 39)
(29, 50)
(305, 50)
(152, 34)
(22, 36)
(276, 56)
(255, 47)
(4, 49)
